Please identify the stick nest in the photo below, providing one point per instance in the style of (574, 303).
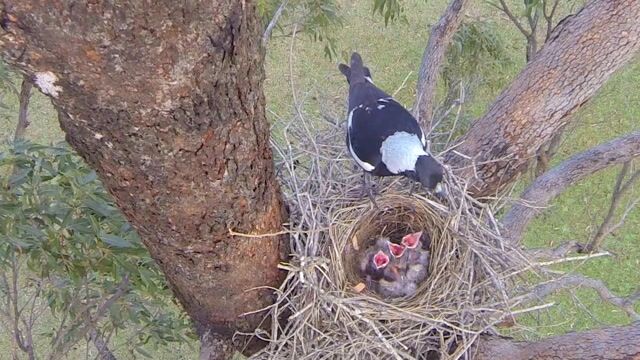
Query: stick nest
(320, 314)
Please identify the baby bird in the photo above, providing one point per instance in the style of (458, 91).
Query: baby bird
(375, 260)
(395, 283)
(416, 258)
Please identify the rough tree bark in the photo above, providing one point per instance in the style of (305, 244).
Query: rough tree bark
(613, 343)
(164, 99)
(581, 54)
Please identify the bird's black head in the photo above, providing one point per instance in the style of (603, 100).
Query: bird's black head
(429, 171)
(346, 71)
(356, 72)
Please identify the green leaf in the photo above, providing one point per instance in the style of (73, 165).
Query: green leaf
(100, 207)
(142, 352)
(91, 177)
(115, 241)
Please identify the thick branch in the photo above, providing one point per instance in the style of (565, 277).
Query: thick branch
(613, 343)
(582, 53)
(576, 280)
(441, 35)
(551, 184)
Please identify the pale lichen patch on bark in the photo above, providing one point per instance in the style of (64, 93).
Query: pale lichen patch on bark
(46, 82)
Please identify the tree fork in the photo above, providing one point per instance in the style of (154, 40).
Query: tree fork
(579, 57)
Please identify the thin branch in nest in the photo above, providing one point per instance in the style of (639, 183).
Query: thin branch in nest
(576, 280)
(620, 188)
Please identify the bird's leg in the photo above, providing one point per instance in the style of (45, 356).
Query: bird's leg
(369, 189)
(412, 188)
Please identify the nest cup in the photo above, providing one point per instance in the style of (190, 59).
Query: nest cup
(397, 215)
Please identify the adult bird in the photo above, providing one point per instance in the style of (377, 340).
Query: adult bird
(382, 136)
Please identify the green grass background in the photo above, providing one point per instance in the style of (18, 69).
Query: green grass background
(393, 53)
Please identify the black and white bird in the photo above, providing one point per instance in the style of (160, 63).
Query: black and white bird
(382, 136)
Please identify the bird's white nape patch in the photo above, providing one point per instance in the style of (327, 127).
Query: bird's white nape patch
(46, 82)
(400, 152)
(384, 100)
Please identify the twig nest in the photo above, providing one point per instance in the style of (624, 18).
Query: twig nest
(323, 312)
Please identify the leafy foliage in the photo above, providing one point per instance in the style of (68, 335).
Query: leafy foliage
(477, 51)
(56, 216)
(391, 10)
(7, 85)
(316, 18)
(319, 18)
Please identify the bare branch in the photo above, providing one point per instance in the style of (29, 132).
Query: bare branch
(25, 96)
(504, 8)
(576, 280)
(547, 151)
(551, 184)
(272, 24)
(549, 16)
(559, 251)
(89, 322)
(441, 35)
(104, 353)
(613, 343)
(607, 227)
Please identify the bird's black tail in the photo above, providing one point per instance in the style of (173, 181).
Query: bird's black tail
(357, 69)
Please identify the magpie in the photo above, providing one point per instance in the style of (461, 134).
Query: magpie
(382, 136)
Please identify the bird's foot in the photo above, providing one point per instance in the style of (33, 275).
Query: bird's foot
(369, 190)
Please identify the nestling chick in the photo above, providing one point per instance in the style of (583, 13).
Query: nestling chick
(374, 261)
(416, 257)
(395, 282)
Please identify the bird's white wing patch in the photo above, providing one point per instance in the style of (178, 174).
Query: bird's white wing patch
(363, 164)
(400, 152)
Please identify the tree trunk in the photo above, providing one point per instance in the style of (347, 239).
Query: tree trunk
(164, 99)
(613, 343)
(582, 53)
